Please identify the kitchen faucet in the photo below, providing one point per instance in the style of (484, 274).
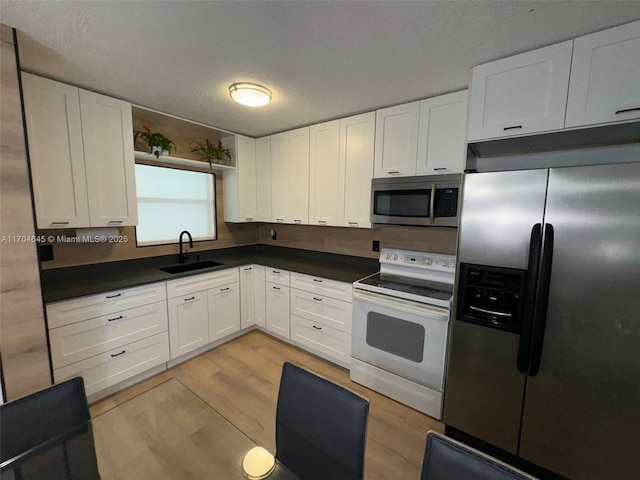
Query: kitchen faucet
(183, 256)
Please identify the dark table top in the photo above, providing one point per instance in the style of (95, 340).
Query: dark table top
(70, 282)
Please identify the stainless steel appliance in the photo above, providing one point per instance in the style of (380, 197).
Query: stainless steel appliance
(422, 201)
(544, 365)
(400, 328)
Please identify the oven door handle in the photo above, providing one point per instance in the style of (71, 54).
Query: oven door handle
(402, 305)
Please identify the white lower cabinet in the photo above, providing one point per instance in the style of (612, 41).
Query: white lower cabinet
(107, 369)
(247, 296)
(224, 311)
(324, 310)
(329, 341)
(206, 309)
(277, 309)
(109, 338)
(188, 322)
(259, 273)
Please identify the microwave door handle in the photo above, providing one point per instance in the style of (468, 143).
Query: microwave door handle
(432, 203)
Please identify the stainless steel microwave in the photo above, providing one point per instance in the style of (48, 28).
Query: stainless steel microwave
(421, 201)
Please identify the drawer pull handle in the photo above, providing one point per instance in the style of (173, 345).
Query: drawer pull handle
(439, 169)
(394, 172)
(512, 128)
(353, 224)
(627, 110)
(116, 318)
(59, 223)
(224, 289)
(115, 222)
(247, 269)
(279, 219)
(317, 328)
(322, 222)
(276, 288)
(317, 299)
(190, 298)
(277, 272)
(248, 219)
(316, 280)
(114, 296)
(117, 354)
(297, 220)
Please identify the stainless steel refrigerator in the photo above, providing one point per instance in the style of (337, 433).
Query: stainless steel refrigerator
(544, 363)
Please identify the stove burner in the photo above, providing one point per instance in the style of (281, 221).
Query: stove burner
(424, 288)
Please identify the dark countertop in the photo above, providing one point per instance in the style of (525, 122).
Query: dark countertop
(70, 282)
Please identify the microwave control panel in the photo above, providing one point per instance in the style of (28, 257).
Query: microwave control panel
(446, 204)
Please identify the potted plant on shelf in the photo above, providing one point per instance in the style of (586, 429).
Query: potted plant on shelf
(213, 151)
(157, 142)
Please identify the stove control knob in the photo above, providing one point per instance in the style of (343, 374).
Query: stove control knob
(388, 256)
(428, 261)
(395, 256)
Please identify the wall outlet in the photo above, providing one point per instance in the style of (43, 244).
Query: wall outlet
(375, 247)
(274, 235)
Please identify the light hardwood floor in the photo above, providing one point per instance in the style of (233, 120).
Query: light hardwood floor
(240, 380)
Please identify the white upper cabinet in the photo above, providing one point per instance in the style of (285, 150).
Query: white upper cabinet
(396, 140)
(263, 179)
(519, 95)
(54, 129)
(81, 152)
(442, 135)
(324, 159)
(357, 138)
(239, 185)
(290, 176)
(109, 162)
(605, 77)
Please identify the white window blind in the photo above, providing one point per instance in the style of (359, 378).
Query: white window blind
(170, 201)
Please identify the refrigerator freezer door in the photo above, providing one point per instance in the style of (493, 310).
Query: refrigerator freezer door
(484, 390)
(499, 210)
(581, 417)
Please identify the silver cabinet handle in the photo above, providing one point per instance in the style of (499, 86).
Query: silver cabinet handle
(115, 222)
(353, 224)
(115, 318)
(393, 172)
(439, 169)
(118, 354)
(59, 223)
(249, 219)
(279, 219)
(322, 222)
(432, 203)
(627, 110)
(512, 128)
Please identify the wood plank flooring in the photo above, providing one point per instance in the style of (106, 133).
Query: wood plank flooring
(240, 380)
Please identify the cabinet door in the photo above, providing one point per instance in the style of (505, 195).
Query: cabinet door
(247, 296)
(224, 311)
(239, 185)
(263, 180)
(298, 164)
(605, 77)
(442, 136)
(54, 130)
(396, 140)
(259, 276)
(110, 166)
(355, 170)
(324, 159)
(280, 178)
(518, 95)
(188, 323)
(277, 309)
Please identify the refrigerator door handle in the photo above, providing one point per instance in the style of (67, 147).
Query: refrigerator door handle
(529, 294)
(542, 301)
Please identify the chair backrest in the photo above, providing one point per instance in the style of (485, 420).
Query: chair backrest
(321, 427)
(448, 459)
(31, 420)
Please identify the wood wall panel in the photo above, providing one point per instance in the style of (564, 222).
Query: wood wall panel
(23, 336)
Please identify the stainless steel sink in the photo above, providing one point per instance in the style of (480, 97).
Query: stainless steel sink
(188, 267)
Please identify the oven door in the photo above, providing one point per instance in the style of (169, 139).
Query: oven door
(403, 337)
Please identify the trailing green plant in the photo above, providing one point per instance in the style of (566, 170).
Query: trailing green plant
(212, 151)
(163, 144)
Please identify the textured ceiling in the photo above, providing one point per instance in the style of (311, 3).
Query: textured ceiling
(321, 59)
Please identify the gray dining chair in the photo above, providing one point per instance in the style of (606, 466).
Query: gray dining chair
(36, 418)
(448, 459)
(321, 427)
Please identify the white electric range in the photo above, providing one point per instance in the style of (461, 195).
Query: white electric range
(401, 326)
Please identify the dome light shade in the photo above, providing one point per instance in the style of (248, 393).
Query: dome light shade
(250, 94)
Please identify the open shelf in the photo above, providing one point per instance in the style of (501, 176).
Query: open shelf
(180, 162)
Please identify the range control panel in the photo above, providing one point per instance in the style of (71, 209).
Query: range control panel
(423, 260)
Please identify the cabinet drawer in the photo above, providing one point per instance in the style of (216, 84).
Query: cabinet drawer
(275, 275)
(325, 310)
(84, 308)
(115, 366)
(330, 288)
(198, 283)
(81, 340)
(327, 340)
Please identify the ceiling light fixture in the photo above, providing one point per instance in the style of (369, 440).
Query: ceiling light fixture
(250, 94)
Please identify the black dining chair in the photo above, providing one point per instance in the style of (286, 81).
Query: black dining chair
(29, 421)
(448, 459)
(321, 427)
